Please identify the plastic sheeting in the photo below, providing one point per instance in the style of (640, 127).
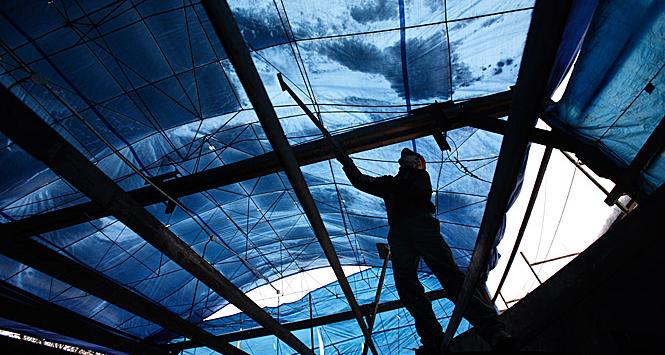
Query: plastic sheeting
(152, 78)
(608, 102)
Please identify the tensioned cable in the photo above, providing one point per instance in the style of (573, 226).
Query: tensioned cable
(570, 187)
(308, 85)
(563, 210)
(198, 220)
(310, 94)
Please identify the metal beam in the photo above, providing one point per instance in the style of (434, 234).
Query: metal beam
(547, 24)
(234, 44)
(23, 307)
(385, 250)
(27, 130)
(48, 261)
(527, 215)
(591, 178)
(480, 112)
(366, 309)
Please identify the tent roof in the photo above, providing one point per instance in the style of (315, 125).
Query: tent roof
(152, 78)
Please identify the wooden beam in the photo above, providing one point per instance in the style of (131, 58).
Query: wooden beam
(482, 112)
(27, 130)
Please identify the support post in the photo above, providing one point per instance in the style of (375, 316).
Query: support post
(384, 252)
(547, 24)
(27, 130)
(311, 329)
(229, 35)
(527, 214)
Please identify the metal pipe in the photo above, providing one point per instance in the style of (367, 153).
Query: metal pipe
(229, 35)
(338, 150)
(311, 329)
(527, 214)
(377, 296)
(554, 259)
(593, 180)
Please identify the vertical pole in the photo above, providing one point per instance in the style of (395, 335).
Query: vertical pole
(311, 329)
(377, 297)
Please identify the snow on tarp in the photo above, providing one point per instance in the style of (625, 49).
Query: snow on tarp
(152, 78)
(608, 102)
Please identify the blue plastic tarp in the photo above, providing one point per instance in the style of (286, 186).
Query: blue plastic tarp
(608, 102)
(153, 80)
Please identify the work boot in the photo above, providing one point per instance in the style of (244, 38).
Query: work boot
(502, 342)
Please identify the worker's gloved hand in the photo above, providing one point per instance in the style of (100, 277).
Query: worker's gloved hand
(345, 160)
(350, 169)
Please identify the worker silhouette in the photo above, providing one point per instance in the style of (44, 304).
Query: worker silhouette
(414, 234)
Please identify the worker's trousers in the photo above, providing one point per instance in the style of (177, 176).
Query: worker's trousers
(420, 238)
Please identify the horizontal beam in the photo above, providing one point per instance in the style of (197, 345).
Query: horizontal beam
(48, 261)
(366, 309)
(23, 307)
(483, 112)
(25, 128)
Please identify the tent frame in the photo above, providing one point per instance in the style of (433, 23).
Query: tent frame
(482, 113)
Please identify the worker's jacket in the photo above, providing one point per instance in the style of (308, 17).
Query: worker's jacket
(407, 195)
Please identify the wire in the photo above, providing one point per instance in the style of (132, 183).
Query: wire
(198, 220)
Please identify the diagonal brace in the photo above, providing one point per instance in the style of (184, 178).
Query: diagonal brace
(229, 35)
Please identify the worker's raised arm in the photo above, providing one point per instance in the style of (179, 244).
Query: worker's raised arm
(377, 186)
